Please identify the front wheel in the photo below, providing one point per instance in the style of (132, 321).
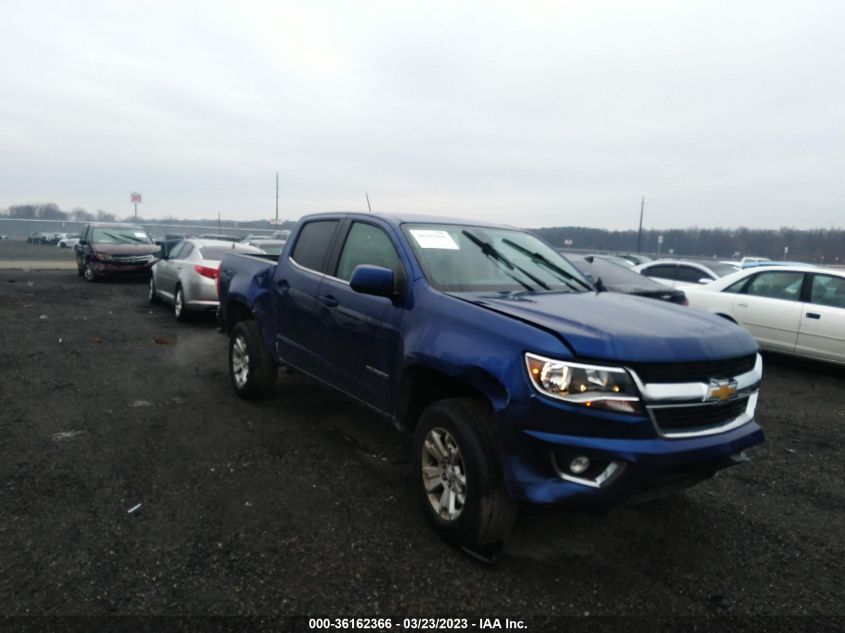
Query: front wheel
(152, 295)
(251, 368)
(88, 272)
(459, 474)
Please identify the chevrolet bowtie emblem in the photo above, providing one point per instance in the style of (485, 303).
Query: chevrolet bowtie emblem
(721, 390)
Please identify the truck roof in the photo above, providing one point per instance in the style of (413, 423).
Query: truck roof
(405, 218)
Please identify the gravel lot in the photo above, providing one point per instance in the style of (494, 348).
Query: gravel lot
(302, 504)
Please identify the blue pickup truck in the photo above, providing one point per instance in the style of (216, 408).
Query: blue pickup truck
(520, 381)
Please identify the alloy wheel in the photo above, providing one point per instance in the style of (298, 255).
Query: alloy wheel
(444, 474)
(240, 362)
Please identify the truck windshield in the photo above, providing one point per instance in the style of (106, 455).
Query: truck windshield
(479, 259)
(121, 235)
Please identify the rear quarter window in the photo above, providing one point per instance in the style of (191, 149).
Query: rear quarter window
(313, 243)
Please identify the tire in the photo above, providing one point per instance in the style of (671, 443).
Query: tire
(251, 368)
(152, 297)
(179, 310)
(88, 272)
(485, 513)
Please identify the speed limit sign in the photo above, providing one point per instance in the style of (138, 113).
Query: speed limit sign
(135, 197)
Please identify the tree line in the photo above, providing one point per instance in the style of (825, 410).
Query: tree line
(814, 245)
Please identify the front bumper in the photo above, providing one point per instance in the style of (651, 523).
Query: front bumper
(630, 456)
(103, 269)
(644, 466)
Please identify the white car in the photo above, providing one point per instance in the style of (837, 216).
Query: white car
(68, 240)
(796, 310)
(680, 273)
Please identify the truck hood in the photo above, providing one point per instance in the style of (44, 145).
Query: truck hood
(618, 327)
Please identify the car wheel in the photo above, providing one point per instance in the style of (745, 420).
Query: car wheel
(459, 475)
(152, 297)
(251, 368)
(179, 309)
(88, 272)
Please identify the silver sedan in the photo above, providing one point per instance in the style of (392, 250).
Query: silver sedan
(187, 278)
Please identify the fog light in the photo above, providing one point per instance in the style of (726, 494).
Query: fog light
(579, 464)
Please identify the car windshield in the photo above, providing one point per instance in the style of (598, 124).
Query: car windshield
(721, 269)
(117, 235)
(611, 274)
(479, 259)
(219, 252)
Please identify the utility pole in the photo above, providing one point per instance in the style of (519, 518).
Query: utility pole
(277, 198)
(368, 202)
(640, 232)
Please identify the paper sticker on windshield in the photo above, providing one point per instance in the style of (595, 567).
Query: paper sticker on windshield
(140, 234)
(434, 239)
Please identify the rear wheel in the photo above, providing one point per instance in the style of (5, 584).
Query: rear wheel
(459, 475)
(251, 368)
(179, 309)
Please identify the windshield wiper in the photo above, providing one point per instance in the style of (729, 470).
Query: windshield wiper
(544, 261)
(118, 238)
(490, 251)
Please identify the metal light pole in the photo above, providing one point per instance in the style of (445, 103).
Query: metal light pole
(640, 232)
(277, 198)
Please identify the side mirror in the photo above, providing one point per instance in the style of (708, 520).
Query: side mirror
(82, 242)
(373, 280)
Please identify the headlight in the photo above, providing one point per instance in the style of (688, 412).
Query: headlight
(102, 257)
(593, 386)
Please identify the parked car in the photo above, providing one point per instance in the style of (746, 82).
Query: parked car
(797, 310)
(614, 259)
(271, 247)
(282, 235)
(187, 277)
(219, 237)
(519, 381)
(38, 238)
(107, 249)
(681, 273)
(68, 240)
(637, 258)
(622, 279)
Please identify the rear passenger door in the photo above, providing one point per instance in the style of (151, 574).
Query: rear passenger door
(360, 333)
(770, 309)
(296, 284)
(822, 330)
(690, 275)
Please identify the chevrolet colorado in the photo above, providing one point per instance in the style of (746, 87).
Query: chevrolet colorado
(518, 379)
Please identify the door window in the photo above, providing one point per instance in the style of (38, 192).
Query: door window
(177, 251)
(663, 271)
(367, 244)
(313, 243)
(692, 274)
(777, 285)
(828, 291)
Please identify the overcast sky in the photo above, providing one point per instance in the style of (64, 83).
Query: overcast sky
(530, 113)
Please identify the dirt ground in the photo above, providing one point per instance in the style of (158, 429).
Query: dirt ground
(302, 504)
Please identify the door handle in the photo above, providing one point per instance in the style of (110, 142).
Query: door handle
(283, 286)
(329, 300)
(814, 315)
(741, 305)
